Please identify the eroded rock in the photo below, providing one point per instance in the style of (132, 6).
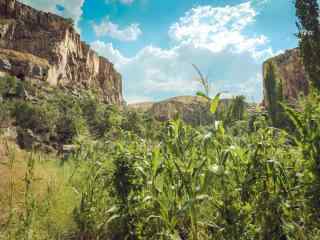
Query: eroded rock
(46, 47)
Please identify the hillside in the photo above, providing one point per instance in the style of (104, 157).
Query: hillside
(192, 110)
(40, 46)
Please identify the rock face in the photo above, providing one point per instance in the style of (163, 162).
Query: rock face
(290, 72)
(35, 45)
(193, 110)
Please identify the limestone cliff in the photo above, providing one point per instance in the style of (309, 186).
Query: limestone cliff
(40, 46)
(289, 75)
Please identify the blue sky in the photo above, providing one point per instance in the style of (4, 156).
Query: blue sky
(154, 42)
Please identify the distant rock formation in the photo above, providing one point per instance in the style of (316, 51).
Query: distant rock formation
(40, 46)
(289, 71)
(191, 109)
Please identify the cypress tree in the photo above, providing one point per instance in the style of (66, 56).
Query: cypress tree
(271, 90)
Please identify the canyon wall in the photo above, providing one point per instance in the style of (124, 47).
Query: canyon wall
(289, 73)
(36, 45)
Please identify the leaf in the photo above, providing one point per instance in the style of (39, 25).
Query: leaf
(214, 103)
(203, 80)
(113, 218)
(112, 209)
(147, 198)
(153, 217)
(202, 197)
(202, 94)
(155, 161)
(175, 236)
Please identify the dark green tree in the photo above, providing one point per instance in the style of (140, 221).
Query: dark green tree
(307, 12)
(238, 108)
(271, 90)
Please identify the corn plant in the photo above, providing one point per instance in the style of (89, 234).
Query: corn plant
(90, 214)
(306, 122)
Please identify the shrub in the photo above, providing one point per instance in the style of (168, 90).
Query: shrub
(70, 122)
(41, 119)
(8, 86)
(6, 110)
(133, 122)
(100, 117)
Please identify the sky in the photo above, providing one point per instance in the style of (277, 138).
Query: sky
(153, 43)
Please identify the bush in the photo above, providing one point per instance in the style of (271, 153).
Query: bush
(71, 122)
(41, 119)
(6, 109)
(11, 87)
(100, 117)
(133, 122)
(8, 86)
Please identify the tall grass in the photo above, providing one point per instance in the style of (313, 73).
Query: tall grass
(36, 197)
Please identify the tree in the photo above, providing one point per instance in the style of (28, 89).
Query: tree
(307, 12)
(271, 96)
(238, 108)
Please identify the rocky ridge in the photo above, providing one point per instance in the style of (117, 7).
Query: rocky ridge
(193, 110)
(40, 46)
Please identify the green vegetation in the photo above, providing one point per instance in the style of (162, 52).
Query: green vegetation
(307, 12)
(274, 97)
(128, 176)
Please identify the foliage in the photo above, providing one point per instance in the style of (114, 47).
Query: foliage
(100, 117)
(306, 120)
(307, 12)
(130, 177)
(11, 87)
(6, 109)
(213, 102)
(90, 214)
(189, 183)
(274, 96)
(232, 111)
(41, 119)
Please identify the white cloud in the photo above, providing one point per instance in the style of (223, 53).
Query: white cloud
(114, 55)
(218, 29)
(213, 39)
(71, 8)
(108, 28)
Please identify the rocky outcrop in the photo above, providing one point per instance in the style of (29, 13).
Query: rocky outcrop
(40, 46)
(289, 73)
(193, 110)
(141, 106)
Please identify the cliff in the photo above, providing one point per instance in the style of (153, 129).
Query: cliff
(40, 46)
(289, 76)
(193, 110)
